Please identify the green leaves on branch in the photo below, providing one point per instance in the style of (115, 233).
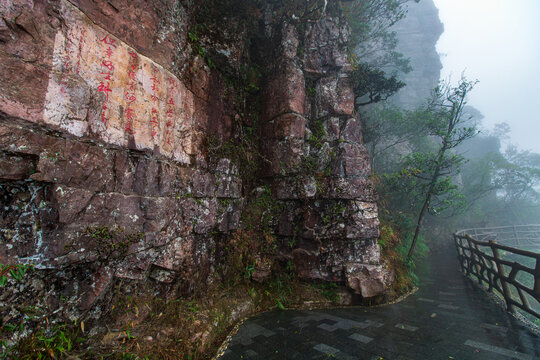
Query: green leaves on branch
(422, 180)
(424, 164)
(517, 175)
(447, 104)
(17, 272)
(371, 85)
(409, 186)
(371, 38)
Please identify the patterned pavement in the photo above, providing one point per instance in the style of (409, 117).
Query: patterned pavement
(447, 318)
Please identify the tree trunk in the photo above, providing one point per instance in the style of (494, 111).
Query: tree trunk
(456, 98)
(419, 225)
(428, 198)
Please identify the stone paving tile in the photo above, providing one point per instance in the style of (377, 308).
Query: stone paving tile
(445, 293)
(494, 327)
(246, 333)
(468, 326)
(406, 327)
(359, 337)
(448, 307)
(498, 350)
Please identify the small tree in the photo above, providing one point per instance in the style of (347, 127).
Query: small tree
(389, 131)
(372, 38)
(433, 170)
(371, 85)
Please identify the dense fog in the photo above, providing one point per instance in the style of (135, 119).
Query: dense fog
(498, 43)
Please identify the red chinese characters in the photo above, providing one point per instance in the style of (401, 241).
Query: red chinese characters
(107, 71)
(106, 88)
(129, 122)
(155, 81)
(154, 122)
(154, 118)
(130, 93)
(173, 88)
(108, 41)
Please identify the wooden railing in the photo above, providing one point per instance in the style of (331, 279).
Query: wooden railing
(512, 273)
(521, 236)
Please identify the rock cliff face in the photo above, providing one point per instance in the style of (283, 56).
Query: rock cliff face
(116, 120)
(317, 164)
(418, 34)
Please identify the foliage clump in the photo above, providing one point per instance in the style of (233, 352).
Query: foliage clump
(25, 329)
(371, 85)
(372, 39)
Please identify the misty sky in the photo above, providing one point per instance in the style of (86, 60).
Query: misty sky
(498, 43)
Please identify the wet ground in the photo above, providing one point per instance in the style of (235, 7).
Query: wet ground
(447, 318)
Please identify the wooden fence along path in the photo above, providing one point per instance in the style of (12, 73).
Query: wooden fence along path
(497, 259)
(521, 236)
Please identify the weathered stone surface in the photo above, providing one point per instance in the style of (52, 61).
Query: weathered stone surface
(334, 96)
(116, 93)
(332, 129)
(91, 82)
(154, 27)
(352, 131)
(285, 92)
(15, 167)
(287, 221)
(107, 112)
(341, 220)
(262, 269)
(353, 160)
(94, 185)
(325, 43)
(229, 213)
(368, 280)
(282, 156)
(27, 35)
(323, 176)
(285, 126)
(289, 42)
(349, 188)
(328, 260)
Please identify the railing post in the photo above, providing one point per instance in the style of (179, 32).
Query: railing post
(502, 275)
(460, 251)
(536, 288)
(474, 259)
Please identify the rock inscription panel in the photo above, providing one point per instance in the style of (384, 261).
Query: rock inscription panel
(101, 86)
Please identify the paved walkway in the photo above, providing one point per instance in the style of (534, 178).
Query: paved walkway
(448, 318)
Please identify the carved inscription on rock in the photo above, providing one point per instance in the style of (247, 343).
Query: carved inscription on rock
(100, 86)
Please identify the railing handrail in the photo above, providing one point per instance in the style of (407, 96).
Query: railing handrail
(522, 236)
(497, 228)
(502, 247)
(490, 271)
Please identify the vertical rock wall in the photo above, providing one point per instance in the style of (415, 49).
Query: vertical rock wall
(106, 112)
(418, 34)
(104, 109)
(316, 161)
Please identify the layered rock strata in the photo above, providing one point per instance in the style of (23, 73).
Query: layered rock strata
(107, 110)
(316, 161)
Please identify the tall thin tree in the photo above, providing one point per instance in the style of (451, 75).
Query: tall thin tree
(451, 127)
